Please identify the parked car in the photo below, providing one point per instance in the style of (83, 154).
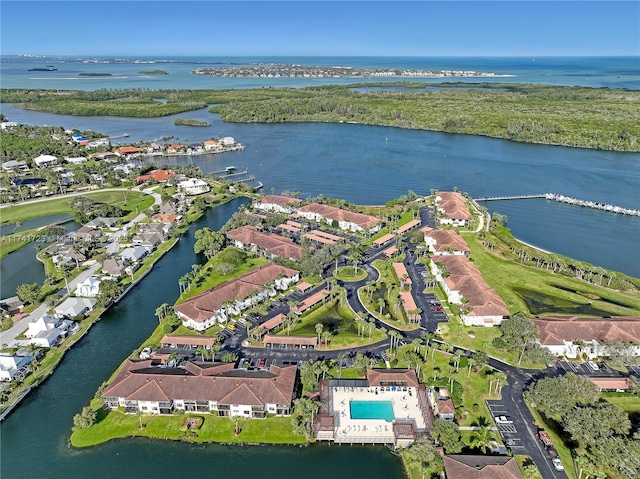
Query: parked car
(593, 365)
(557, 463)
(145, 353)
(262, 362)
(503, 420)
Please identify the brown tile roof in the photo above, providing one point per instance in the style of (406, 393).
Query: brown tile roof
(128, 149)
(622, 384)
(390, 251)
(324, 234)
(408, 303)
(158, 175)
(407, 226)
(465, 277)
(310, 301)
(445, 406)
(291, 228)
(166, 218)
(279, 200)
(401, 272)
(188, 340)
(273, 244)
(445, 239)
(204, 305)
(383, 239)
(554, 329)
(273, 322)
(462, 466)
(337, 214)
(319, 239)
(308, 340)
(388, 376)
(138, 381)
(454, 205)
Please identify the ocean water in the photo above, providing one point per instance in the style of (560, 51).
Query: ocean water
(611, 72)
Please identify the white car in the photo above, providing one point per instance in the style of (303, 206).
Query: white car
(594, 366)
(557, 463)
(503, 419)
(145, 353)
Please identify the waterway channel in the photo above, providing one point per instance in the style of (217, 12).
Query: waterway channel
(34, 438)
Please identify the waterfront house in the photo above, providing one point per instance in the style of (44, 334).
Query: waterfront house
(167, 219)
(128, 151)
(106, 155)
(466, 466)
(102, 222)
(452, 209)
(345, 220)
(277, 203)
(89, 288)
(213, 145)
(12, 305)
(150, 240)
(134, 253)
(445, 242)
(159, 228)
(78, 160)
(159, 176)
(214, 306)
(14, 366)
(48, 330)
(390, 407)
(86, 233)
(67, 254)
(574, 337)
(17, 166)
(176, 341)
(464, 285)
(194, 186)
(45, 161)
(216, 388)
(72, 307)
(228, 141)
(248, 238)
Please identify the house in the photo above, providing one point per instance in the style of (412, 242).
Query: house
(206, 309)
(159, 228)
(14, 366)
(98, 143)
(453, 209)
(277, 203)
(194, 186)
(78, 160)
(86, 233)
(31, 183)
(403, 415)
(8, 125)
(249, 238)
(89, 288)
(128, 151)
(45, 161)
(102, 222)
(134, 253)
(156, 175)
(574, 337)
(67, 254)
(345, 220)
(213, 145)
(113, 267)
(445, 242)
(150, 240)
(17, 166)
(466, 466)
(216, 388)
(168, 219)
(47, 331)
(72, 307)
(228, 141)
(464, 285)
(105, 155)
(12, 305)
(174, 149)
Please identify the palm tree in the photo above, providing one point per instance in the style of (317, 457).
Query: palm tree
(200, 351)
(319, 328)
(161, 311)
(340, 359)
(381, 303)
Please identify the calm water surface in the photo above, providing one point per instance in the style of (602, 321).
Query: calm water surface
(34, 438)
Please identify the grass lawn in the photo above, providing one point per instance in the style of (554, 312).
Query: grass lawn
(13, 242)
(339, 320)
(629, 402)
(209, 277)
(347, 273)
(548, 293)
(61, 205)
(114, 424)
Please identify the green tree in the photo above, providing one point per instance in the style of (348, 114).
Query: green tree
(482, 439)
(362, 363)
(208, 242)
(518, 333)
(555, 397)
(304, 411)
(29, 292)
(423, 457)
(109, 291)
(590, 423)
(84, 419)
(448, 435)
(229, 357)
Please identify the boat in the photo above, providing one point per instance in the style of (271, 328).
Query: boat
(230, 169)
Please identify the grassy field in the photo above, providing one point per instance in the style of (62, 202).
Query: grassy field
(114, 425)
(347, 273)
(26, 211)
(559, 294)
(629, 402)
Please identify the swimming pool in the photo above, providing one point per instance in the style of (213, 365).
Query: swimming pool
(371, 410)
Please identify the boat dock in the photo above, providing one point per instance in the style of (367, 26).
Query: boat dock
(568, 200)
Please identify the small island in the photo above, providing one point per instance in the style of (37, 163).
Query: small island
(153, 72)
(191, 122)
(95, 74)
(47, 69)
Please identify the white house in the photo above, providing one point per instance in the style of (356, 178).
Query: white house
(228, 141)
(78, 160)
(48, 330)
(453, 209)
(194, 186)
(346, 220)
(89, 288)
(45, 161)
(72, 307)
(444, 242)
(278, 203)
(8, 125)
(15, 165)
(134, 253)
(13, 366)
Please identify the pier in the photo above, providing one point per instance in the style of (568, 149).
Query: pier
(124, 135)
(568, 200)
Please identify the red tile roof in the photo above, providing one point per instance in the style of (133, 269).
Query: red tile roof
(273, 322)
(481, 467)
(446, 239)
(383, 239)
(204, 305)
(279, 200)
(407, 226)
(157, 175)
(553, 330)
(273, 244)
(337, 214)
(385, 377)
(188, 340)
(123, 150)
(454, 205)
(310, 301)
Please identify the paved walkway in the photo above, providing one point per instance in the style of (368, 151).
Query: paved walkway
(8, 336)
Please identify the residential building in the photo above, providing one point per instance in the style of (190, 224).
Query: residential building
(13, 366)
(445, 242)
(47, 331)
(210, 307)
(194, 186)
(128, 151)
(213, 145)
(167, 219)
(72, 307)
(345, 220)
(156, 175)
(453, 209)
(86, 233)
(464, 466)
(150, 240)
(249, 238)
(277, 203)
(12, 305)
(134, 253)
(78, 160)
(113, 267)
(89, 288)
(464, 285)
(216, 388)
(45, 161)
(574, 337)
(17, 166)
(102, 222)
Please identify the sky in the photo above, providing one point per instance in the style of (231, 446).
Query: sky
(309, 28)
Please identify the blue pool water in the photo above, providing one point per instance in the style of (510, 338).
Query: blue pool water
(372, 410)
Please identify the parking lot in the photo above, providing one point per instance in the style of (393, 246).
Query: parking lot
(591, 368)
(506, 427)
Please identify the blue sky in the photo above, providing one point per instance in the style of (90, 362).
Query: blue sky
(378, 28)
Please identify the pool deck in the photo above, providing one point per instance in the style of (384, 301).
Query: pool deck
(405, 407)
